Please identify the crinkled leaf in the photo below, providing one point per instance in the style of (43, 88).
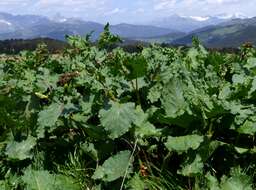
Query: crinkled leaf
(90, 149)
(114, 167)
(66, 183)
(248, 128)
(184, 143)
(192, 168)
(43, 180)
(253, 88)
(236, 183)
(49, 117)
(2, 185)
(143, 127)
(212, 182)
(20, 150)
(251, 63)
(173, 99)
(38, 180)
(136, 183)
(137, 67)
(118, 119)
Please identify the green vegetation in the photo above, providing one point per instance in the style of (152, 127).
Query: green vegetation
(97, 118)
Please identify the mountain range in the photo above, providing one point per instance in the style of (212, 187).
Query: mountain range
(32, 26)
(214, 31)
(228, 34)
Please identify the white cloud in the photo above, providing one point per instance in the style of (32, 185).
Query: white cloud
(115, 11)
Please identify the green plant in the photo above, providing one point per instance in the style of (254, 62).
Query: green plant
(95, 118)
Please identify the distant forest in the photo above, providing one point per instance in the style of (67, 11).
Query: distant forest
(14, 46)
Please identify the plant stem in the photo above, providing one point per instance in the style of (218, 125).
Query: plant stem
(130, 160)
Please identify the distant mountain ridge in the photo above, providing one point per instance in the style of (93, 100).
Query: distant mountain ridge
(190, 23)
(33, 26)
(214, 31)
(228, 34)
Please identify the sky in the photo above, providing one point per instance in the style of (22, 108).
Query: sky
(130, 11)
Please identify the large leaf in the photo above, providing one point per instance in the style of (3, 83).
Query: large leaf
(2, 185)
(136, 183)
(48, 117)
(192, 167)
(236, 182)
(114, 167)
(43, 180)
(38, 180)
(66, 183)
(173, 99)
(118, 119)
(184, 143)
(20, 150)
(212, 182)
(143, 127)
(248, 128)
(137, 67)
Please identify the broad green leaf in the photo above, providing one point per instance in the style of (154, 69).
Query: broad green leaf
(241, 150)
(137, 67)
(193, 54)
(251, 63)
(236, 183)
(48, 117)
(238, 79)
(118, 119)
(20, 150)
(143, 127)
(90, 149)
(184, 143)
(192, 168)
(43, 180)
(238, 180)
(66, 183)
(38, 180)
(114, 167)
(207, 148)
(253, 88)
(248, 128)
(154, 94)
(173, 100)
(136, 183)
(212, 182)
(2, 185)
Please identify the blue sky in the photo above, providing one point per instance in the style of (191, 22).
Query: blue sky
(131, 11)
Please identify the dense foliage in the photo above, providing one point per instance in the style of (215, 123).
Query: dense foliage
(160, 118)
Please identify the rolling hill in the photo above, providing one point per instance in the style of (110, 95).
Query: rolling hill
(228, 34)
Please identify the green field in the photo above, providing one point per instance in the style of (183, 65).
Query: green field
(98, 118)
